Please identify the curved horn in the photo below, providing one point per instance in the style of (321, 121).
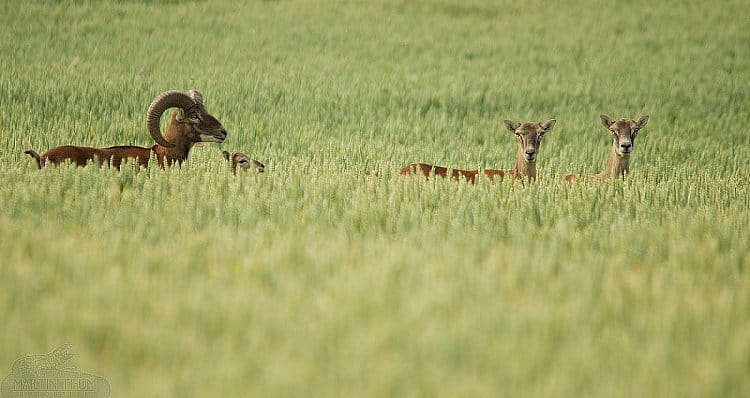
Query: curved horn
(196, 96)
(165, 100)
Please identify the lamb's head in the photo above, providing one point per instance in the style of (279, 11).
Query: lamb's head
(623, 132)
(191, 120)
(529, 136)
(243, 161)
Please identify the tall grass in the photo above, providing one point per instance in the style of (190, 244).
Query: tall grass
(315, 279)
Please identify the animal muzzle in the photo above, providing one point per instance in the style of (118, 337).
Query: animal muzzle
(530, 156)
(218, 136)
(625, 148)
(260, 166)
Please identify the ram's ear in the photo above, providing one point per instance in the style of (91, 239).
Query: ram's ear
(548, 125)
(511, 125)
(642, 122)
(606, 121)
(180, 115)
(225, 154)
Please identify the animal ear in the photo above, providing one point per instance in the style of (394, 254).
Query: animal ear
(196, 96)
(606, 121)
(547, 126)
(225, 154)
(642, 121)
(511, 125)
(180, 114)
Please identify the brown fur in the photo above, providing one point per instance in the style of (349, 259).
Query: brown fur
(81, 155)
(470, 175)
(624, 132)
(185, 130)
(529, 139)
(243, 161)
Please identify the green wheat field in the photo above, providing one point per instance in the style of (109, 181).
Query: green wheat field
(317, 279)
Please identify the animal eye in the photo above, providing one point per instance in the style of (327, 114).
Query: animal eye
(243, 161)
(194, 118)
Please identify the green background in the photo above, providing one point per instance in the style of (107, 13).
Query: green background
(315, 279)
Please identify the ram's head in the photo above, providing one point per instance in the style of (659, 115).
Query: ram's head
(190, 124)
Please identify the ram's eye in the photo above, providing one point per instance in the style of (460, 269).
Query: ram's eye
(194, 118)
(243, 161)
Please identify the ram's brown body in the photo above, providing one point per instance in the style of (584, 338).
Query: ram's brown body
(82, 155)
(190, 124)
